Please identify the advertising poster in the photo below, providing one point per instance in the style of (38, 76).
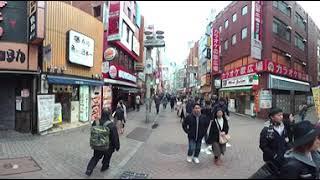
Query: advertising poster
(107, 97)
(215, 51)
(45, 112)
(84, 104)
(57, 118)
(265, 99)
(95, 103)
(316, 99)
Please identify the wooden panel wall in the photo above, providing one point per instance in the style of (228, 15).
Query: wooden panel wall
(60, 18)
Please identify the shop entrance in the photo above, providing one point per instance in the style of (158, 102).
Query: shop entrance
(7, 108)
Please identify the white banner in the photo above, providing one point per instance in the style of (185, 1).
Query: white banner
(45, 112)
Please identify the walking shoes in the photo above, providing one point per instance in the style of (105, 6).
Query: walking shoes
(189, 159)
(196, 160)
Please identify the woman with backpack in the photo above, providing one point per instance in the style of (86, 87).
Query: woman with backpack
(105, 146)
(219, 129)
(119, 118)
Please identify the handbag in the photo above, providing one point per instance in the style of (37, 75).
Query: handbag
(223, 138)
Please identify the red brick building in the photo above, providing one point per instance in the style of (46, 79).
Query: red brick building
(268, 55)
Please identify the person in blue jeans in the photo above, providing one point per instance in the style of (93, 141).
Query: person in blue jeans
(195, 126)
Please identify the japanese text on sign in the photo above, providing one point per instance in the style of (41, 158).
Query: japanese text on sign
(11, 55)
(215, 51)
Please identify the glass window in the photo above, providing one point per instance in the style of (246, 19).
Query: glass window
(226, 45)
(97, 11)
(298, 42)
(244, 33)
(282, 6)
(129, 13)
(226, 24)
(245, 10)
(234, 17)
(318, 51)
(128, 34)
(299, 21)
(280, 29)
(234, 39)
(220, 28)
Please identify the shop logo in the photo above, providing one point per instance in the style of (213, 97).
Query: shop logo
(109, 54)
(113, 72)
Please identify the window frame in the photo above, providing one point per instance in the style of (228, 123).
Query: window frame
(242, 38)
(233, 39)
(298, 40)
(98, 7)
(226, 24)
(244, 7)
(280, 24)
(234, 17)
(280, 6)
(298, 20)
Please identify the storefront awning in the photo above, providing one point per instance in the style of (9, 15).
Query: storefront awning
(242, 88)
(130, 90)
(112, 81)
(71, 80)
(282, 83)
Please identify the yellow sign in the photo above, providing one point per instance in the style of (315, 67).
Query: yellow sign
(316, 98)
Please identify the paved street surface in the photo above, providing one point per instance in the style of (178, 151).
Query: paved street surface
(162, 154)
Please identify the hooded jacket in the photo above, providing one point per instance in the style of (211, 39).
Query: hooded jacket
(300, 166)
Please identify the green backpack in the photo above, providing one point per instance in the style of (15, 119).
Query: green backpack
(99, 139)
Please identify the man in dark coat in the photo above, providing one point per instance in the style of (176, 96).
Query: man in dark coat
(157, 101)
(196, 126)
(221, 104)
(114, 145)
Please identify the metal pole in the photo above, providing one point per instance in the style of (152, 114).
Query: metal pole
(148, 92)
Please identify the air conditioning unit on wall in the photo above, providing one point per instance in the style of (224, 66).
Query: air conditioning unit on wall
(289, 28)
(289, 7)
(288, 55)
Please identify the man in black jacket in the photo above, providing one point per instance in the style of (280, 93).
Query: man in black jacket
(114, 145)
(274, 137)
(196, 126)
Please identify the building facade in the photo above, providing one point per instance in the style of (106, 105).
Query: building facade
(266, 49)
(21, 33)
(71, 80)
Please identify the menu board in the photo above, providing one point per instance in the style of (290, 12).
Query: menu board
(265, 99)
(84, 104)
(316, 99)
(107, 97)
(45, 112)
(57, 113)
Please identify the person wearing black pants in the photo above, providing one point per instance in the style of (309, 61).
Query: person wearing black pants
(113, 145)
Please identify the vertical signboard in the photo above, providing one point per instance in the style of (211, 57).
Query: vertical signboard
(84, 104)
(95, 103)
(115, 24)
(265, 99)
(316, 98)
(107, 97)
(45, 112)
(256, 29)
(57, 113)
(215, 51)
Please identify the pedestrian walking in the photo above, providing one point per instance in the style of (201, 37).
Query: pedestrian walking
(119, 118)
(219, 130)
(157, 101)
(207, 111)
(183, 111)
(275, 139)
(138, 102)
(303, 108)
(124, 110)
(221, 104)
(104, 141)
(164, 102)
(195, 126)
(172, 102)
(189, 106)
(303, 161)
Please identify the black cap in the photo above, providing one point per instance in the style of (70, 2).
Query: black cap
(304, 132)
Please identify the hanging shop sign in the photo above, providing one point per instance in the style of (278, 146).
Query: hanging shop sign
(110, 53)
(266, 66)
(239, 81)
(95, 103)
(14, 56)
(135, 45)
(45, 112)
(215, 51)
(256, 29)
(105, 67)
(80, 49)
(107, 97)
(316, 98)
(114, 21)
(127, 76)
(113, 72)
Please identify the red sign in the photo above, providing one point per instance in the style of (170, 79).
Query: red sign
(258, 20)
(215, 51)
(266, 66)
(114, 18)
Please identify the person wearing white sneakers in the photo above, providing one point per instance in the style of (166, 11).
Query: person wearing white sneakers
(196, 126)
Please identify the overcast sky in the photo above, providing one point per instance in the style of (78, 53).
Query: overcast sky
(186, 21)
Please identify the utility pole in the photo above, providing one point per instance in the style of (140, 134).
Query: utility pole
(148, 91)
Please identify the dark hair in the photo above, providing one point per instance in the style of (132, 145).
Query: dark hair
(215, 113)
(196, 104)
(274, 111)
(105, 116)
(304, 148)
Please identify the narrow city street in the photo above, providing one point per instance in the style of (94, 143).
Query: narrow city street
(159, 152)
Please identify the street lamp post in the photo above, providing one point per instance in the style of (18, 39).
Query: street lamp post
(153, 40)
